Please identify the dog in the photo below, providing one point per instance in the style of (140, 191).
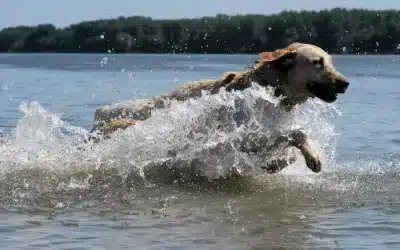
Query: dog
(296, 73)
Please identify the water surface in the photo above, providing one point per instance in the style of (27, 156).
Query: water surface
(53, 197)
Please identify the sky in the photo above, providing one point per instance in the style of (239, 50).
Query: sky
(62, 13)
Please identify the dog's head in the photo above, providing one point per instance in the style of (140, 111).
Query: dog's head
(305, 70)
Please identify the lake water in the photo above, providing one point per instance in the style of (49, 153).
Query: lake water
(52, 196)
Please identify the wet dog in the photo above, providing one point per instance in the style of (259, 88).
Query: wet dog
(296, 73)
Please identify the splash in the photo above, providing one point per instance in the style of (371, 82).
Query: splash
(42, 154)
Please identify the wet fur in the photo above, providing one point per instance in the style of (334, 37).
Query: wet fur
(297, 72)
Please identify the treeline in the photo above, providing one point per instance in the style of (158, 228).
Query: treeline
(337, 31)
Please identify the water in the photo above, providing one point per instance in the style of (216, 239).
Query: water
(54, 196)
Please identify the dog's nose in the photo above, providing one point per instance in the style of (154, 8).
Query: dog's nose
(341, 85)
(345, 84)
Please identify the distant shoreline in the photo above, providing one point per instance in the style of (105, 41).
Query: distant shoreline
(338, 31)
(168, 53)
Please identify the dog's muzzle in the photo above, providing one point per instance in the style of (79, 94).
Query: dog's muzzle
(341, 86)
(328, 91)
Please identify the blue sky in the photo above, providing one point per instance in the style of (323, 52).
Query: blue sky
(64, 12)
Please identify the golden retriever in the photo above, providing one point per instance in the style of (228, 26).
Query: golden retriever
(296, 73)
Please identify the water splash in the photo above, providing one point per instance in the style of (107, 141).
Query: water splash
(42, 153)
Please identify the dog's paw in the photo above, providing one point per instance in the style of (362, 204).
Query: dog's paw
(311, 156)
(313, 163)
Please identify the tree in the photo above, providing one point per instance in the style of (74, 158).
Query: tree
(336, 30)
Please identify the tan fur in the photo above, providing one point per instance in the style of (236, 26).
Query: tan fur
(110, 127)
(120, 124)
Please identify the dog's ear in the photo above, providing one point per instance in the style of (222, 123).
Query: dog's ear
(280, 58)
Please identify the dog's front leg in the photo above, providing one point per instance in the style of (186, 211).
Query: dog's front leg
(255, 143)
(301, 141)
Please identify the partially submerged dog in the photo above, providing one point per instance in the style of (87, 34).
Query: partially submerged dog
(296, 73)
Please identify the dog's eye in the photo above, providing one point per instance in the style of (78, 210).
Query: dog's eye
(319, 63)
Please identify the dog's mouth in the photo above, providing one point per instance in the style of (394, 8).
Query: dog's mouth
(327, 92)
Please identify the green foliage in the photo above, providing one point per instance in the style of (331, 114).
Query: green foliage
(336, 30)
